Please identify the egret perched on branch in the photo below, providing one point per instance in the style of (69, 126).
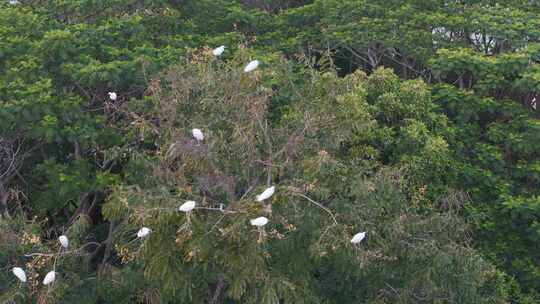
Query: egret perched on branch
(197, 134)
(252, 66)
(357, 238)
(259, 222)
(266, 194)
(112, 95)
(218, 51)
(143, 232)
(49, 278)
(64, 242)
(19, 273)
(187, 206)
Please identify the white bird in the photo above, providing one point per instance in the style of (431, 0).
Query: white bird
(266, 194)
(357, 238)
(64, 241)
(259, 222)
(19, 273)
(49, 278)
(187, 206)
(198, 134)
(252, 66)
(218, 51)
(143, 232)
(13, 2)
(112, 95)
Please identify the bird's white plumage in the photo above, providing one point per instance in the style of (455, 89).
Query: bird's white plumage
(218, 51)
(198, 134)
(251, 66)
(49, 278)
(19, 273)
(144, 231)
(357, 238)
(64, 241)
(13, 2)
(187, 206)
(112, 95)
(259, 222)
(266, 194)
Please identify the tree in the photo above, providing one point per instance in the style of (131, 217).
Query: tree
(463, 135)
(212, 254)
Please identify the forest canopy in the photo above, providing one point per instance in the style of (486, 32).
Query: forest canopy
(269, 151)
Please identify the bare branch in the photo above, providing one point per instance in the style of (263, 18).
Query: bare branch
(296, 192)
(63, 253)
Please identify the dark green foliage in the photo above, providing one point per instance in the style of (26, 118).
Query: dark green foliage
(416, 121)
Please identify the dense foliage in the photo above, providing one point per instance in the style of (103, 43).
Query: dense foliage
(414, 121)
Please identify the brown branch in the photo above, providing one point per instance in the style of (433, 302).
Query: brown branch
(219, 288)
(269, 147)
(108, 242)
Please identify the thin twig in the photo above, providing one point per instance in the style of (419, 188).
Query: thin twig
(246, 193)
(215, 225)
(218, 209)
(62, 253)
(316, 204)
(269, 146)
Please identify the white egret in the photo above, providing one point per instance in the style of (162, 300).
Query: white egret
(266, 194)
(252, 66)
(49, 278)
(218, 51)
(64, 241)
(143, 232)
(259, 222)
(357, 238)
(187, 206)
(112, 95)
(198, 134)
(19, 273)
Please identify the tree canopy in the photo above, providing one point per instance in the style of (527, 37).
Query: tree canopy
(415, 122)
